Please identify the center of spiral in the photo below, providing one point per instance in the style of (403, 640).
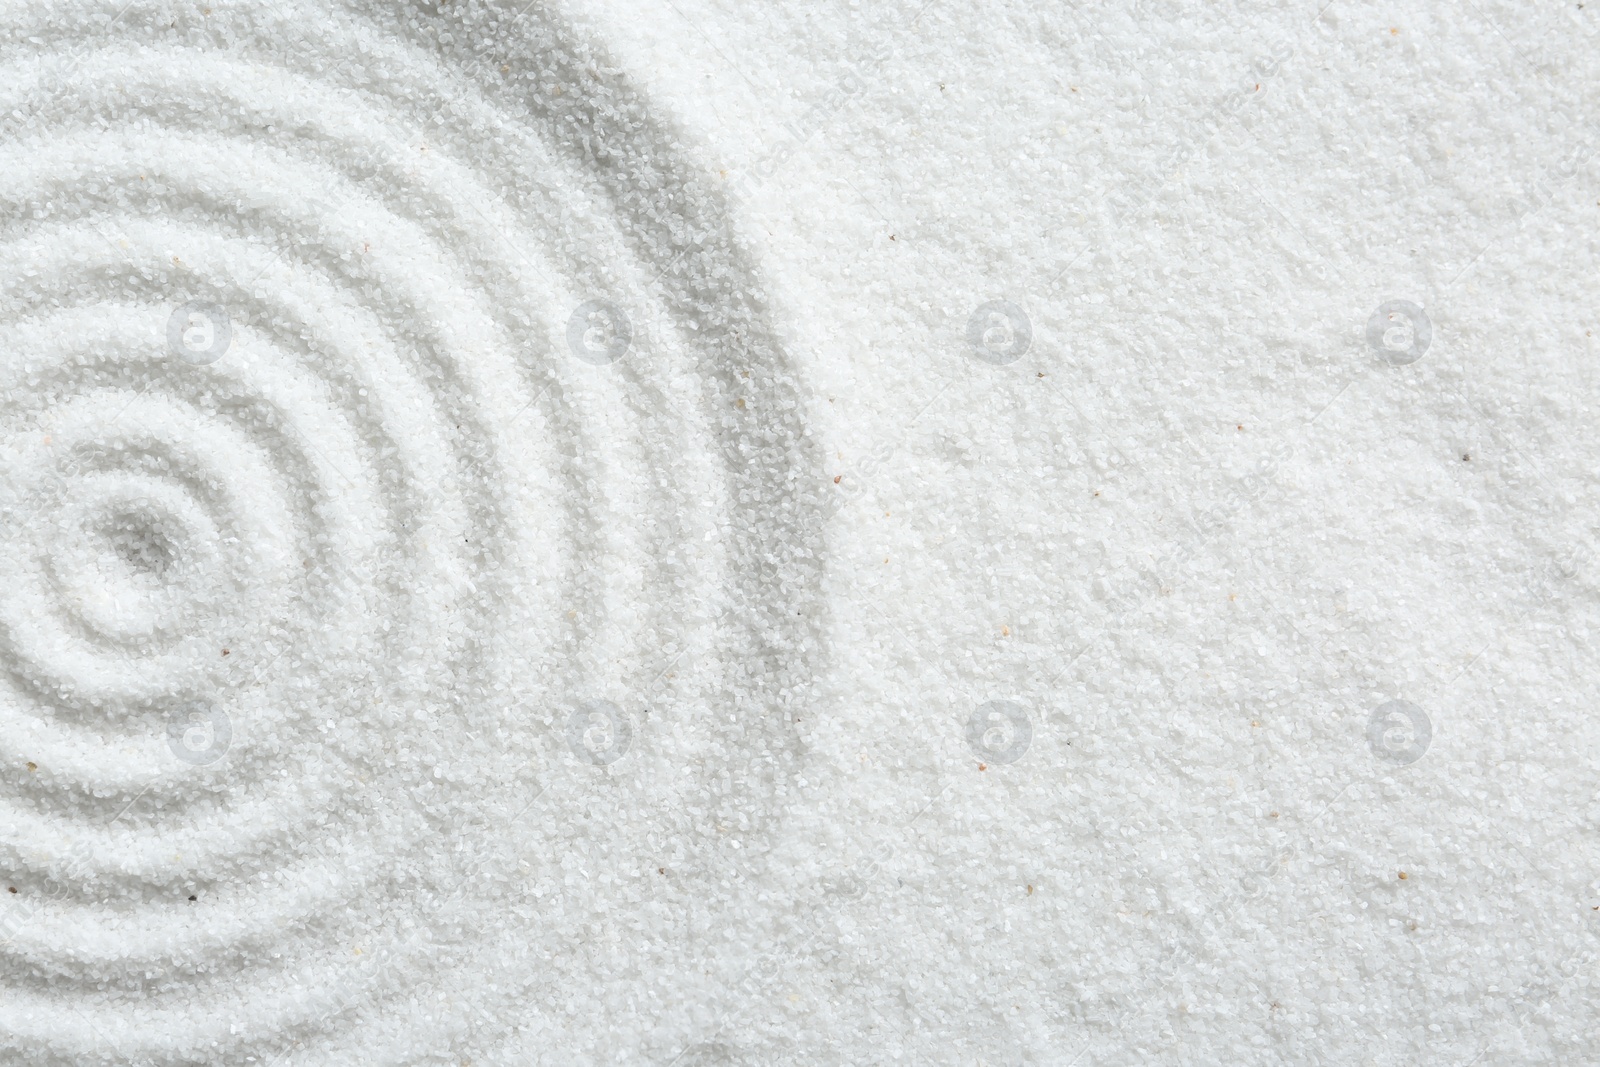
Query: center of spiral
(138, 563)
(140, 540)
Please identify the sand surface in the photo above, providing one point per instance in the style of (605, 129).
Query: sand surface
(707, 533)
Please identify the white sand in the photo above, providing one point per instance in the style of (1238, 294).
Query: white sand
(716, 534)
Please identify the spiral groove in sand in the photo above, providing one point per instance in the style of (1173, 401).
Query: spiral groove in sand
(292, 630)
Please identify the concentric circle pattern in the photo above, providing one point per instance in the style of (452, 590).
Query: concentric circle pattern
(318, 536)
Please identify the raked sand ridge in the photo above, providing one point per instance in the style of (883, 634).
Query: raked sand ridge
(392, 432)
